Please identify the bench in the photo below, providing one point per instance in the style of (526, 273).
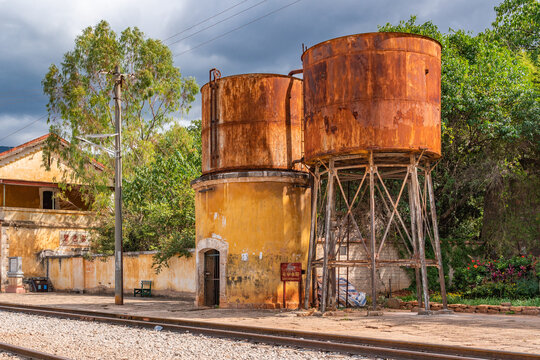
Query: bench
(145, 289)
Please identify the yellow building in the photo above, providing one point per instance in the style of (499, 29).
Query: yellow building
(34, 220)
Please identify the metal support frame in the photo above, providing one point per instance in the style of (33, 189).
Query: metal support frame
(328, 234)
(339, 214)
(436, 240)
(373, 244)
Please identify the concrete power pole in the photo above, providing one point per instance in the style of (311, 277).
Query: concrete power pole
(118, 248)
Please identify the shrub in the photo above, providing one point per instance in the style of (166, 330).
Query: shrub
(514, 278)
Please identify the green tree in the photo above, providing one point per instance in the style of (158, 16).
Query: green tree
(517, 25)
(159, 203)
(488, 111)
(80, 100)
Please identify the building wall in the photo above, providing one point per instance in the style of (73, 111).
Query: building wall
(28, 166)
(262, 223)
(96, 274)
(29, 232)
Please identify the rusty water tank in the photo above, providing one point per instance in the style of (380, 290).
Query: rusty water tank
(375, 91)
(250, 122)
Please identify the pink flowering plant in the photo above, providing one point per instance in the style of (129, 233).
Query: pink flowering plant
(516, 277)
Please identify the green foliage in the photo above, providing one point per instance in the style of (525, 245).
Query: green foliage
(513, 278)
(158, 165)
(518, 25)
(458, 298)
(490, 113)
(159, 207)
(80, 101)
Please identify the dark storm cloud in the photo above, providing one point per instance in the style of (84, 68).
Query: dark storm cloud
(33, 37)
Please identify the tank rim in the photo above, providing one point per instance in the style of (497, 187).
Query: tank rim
(261, 75)
(371, 33)
(293, 174)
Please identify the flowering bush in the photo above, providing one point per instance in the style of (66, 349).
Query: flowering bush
(516, 277)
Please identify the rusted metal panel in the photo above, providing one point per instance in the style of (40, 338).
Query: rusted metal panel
(375, 91)
(256, 122)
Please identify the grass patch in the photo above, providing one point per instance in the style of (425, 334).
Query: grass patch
(458, 299)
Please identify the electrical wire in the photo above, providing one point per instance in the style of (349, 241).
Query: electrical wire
(24, 127)
(237, 28)
(219, 22)
(205, 20)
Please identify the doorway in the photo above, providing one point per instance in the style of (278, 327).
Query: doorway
(211, 278)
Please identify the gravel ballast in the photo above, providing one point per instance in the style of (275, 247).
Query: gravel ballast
(91, 340)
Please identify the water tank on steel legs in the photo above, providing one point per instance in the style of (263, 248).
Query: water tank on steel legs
(250, 122)
(375, 91)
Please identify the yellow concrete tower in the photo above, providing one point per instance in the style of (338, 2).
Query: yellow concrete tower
(252, 201)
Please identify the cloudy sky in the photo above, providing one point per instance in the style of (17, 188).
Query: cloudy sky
(35, 34)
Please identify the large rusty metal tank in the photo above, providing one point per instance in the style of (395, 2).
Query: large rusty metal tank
(375, 91)
(251, 121)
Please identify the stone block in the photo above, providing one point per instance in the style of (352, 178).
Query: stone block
(530, 312)
(516, 309)
(482, 309)
(469, 309)
(493, 311)
(506, 304)
(393, 303)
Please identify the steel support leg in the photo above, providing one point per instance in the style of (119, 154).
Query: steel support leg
(412, 208)
(312, 235)
(420, 233)
(328, 234)
(436, 239)
(372, 226)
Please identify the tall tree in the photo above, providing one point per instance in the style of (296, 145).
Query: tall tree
(80, 99)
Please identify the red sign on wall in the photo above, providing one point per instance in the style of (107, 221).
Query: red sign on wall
(291, 272)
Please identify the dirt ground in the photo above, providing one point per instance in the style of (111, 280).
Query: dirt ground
(503, 332)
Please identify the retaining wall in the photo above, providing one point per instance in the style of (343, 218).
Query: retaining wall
(95, 274)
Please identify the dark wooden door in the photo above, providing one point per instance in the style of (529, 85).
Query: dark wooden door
(211, 278)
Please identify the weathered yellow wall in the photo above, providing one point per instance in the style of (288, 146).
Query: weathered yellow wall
(270, 222)
(38, 230)
(29, 166)
(97, 274)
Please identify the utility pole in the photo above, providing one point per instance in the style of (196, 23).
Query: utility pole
(117, 154)
(118, 248)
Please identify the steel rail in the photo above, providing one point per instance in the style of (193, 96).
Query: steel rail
(304, 339)
(29, 353)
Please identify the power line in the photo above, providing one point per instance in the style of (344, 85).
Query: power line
(219, 22)
(24, 127)
(237, 28)
(205, 20)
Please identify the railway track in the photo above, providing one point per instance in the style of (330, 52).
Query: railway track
(303, 339)
(29, 353)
